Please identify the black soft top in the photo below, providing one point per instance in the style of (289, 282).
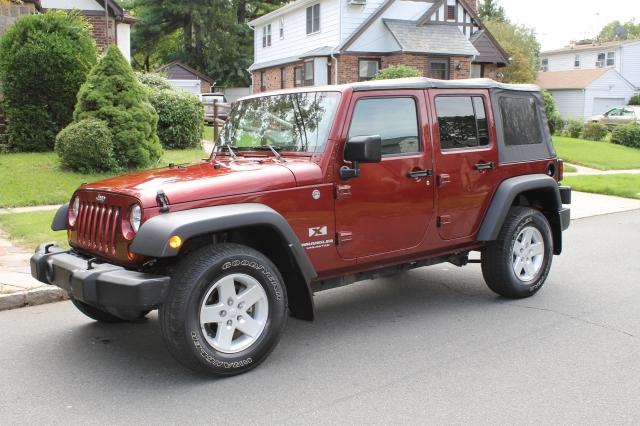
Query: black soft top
(430, 83)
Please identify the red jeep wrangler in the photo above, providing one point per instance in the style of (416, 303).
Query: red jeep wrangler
(311, 189)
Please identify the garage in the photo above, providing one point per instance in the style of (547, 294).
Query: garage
(602, 105)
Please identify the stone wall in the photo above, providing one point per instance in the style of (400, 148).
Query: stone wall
(9, 13)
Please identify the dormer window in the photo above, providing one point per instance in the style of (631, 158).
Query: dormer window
(576, 61)
(611, 59)
(313, 19)
(601, 59)
(266, 35)
(544, 65)
(451, 13)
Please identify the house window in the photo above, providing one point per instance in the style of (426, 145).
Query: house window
(576, 61)
(544, 65)
(462, 121)
(477, 70)
(263, 86)
(281, 28)
(308, 73)
(282, 78)
(298, 76)
(367, 68)
(266, 35)
(601, 59)
(439, 69)
(611, 59)
(451, 13)
(313, 19)
(394, 119)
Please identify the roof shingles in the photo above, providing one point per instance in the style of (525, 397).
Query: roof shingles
(434, 39)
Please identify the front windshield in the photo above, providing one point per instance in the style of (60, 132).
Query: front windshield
(298, 122)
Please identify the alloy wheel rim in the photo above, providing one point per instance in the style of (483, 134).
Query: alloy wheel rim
(527, 255)
(233, 313)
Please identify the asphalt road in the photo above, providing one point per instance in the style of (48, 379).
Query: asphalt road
(432, 346)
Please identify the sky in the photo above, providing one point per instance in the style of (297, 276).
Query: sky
(559, 21)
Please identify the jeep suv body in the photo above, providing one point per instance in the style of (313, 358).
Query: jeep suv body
(311, 189)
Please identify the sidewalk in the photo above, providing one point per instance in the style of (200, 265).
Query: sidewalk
(583, 170)
(18, 289)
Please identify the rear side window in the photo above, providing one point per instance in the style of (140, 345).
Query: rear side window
(394, 119)
(462, 121)
(520, 121)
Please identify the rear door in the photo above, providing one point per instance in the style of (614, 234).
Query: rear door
(466, 158)
(386, 209)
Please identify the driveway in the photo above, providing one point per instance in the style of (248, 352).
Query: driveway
(432, 345)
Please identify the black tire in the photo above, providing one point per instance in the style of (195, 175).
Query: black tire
(498, 256)
(194, 277)
(95, 313)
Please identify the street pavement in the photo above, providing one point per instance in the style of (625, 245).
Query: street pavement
(433, 345)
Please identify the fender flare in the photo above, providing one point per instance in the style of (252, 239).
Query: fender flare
(152, 238)
(60, 219)
(503, 199)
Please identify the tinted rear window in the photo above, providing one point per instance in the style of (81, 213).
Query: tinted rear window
(520, 121)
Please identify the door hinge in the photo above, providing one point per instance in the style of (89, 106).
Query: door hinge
(344, 237)
(443, 179)
(343, 191)
(444, 220)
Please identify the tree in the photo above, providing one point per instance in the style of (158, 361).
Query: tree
(490, 9)
(618, 31)
(523, 49)
(44, 59)
(211, 36)
(112, 94)
(397, 71)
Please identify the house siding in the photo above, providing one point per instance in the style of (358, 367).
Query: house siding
(612, 86)
(630, 63)
(353, 16)
(570, 103)
(296, 41)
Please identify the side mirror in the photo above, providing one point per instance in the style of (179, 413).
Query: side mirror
(361, 149)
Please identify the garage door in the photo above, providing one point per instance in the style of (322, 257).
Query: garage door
(601, 105)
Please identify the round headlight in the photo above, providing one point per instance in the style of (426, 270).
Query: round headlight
(135, 217)
(73, 212)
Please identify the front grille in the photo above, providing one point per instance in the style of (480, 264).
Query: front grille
(97, 227)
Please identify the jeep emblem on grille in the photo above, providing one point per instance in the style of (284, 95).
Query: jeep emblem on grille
(101, 199)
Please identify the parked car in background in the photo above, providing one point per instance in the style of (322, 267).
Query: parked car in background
(208, 99)
(619, 115)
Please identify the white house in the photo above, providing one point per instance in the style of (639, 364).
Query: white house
(318, 42)
(584, 93)
(116, 20)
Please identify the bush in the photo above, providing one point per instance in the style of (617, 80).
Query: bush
(86, 146)
(180, 118)
(44, 59)
(595, 131)
(635, 100)
(112, 94)
(397, 71)
(574, 128)
(627, 135)
(180, 114)
(153, 81)
(555, 121)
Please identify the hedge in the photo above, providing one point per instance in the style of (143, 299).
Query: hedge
(86, 147)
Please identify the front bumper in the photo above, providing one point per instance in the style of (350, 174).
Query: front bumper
(98, 284)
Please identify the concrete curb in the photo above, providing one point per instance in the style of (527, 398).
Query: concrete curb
(36, 296)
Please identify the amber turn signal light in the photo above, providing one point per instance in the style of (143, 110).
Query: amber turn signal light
(175, 242)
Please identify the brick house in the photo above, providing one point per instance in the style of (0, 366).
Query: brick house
(12, 10)
(119, 22)
(318, 42)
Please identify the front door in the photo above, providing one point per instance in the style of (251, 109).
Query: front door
(389, 206)
(466, 158)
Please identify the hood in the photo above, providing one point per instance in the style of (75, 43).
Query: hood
(210, 179)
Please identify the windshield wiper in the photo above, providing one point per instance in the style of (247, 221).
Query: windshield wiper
(272, 149)
(230, 148)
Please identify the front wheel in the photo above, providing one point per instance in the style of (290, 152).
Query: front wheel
(517, 263)
(225, 311)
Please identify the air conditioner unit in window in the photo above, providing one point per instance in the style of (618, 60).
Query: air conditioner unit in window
(600, 64)
(357, 2)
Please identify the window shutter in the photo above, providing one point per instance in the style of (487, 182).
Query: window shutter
(316, 17)
(309, 20)
(264, 36)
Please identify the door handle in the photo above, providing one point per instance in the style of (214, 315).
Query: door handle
(485, 166)
(415, 174)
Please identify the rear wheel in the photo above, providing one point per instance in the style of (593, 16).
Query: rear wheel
(225, 310)
(517, 263)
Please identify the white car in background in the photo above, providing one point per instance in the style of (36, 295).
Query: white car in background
(619, 115)
(208, 99)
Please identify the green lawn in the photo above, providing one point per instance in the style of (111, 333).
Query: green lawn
(598, 155)
(622, 185)
(568, 168)
(36, 178)
(30, 229)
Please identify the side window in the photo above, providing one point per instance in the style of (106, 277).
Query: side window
(614, 112)
(462, 121)
(520, 121)
(394, 119)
